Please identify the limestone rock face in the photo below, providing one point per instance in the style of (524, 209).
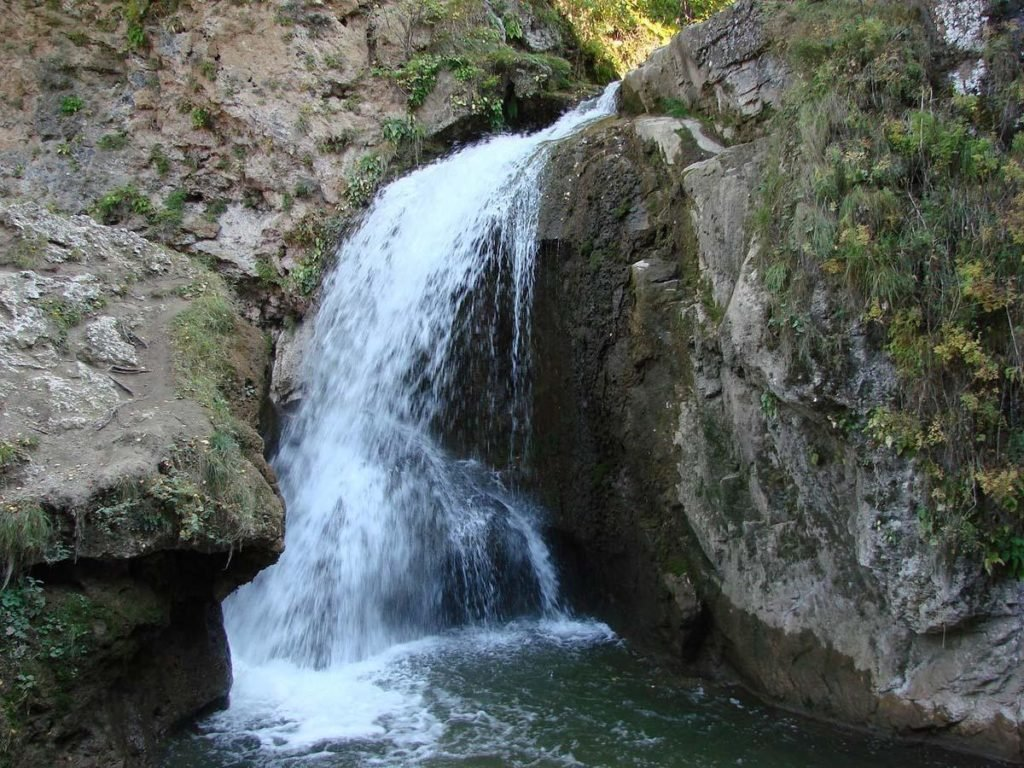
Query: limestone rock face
(962, 25)
(220, 143)
(237, 123)
(286, 379)
(92, 401)
(710, 479)
(723, 65)
(830, 596)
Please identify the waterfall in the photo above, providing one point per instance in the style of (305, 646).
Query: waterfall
(392, 534)
(413, 620)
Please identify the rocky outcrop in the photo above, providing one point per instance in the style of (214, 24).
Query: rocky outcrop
(962, 24)
(826, 593)
(708, 476)
(249, 111)
(724, 67)
(137, 505)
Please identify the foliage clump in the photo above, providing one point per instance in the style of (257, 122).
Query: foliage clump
(207, 488)
(52, 637)
(318, 237)
(137, 13)
(111, 142)
(71, 105)
(24, 536)
(907, 201)
(618, 35)
(127, 202)
(365, 178)
(202, 118)
(121, 203)
(481, 50)
(14, 452)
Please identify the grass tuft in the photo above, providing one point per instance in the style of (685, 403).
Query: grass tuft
(24, 534)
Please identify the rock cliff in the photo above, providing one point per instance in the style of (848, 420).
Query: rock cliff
(714, 490)
(711, 480)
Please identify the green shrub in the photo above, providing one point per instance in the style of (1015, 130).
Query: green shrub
(135, 37)
(134, 12)
(364, 180)
(318, 237)
(304, 188)
(266, 273)
(336, 143)
(71, 105)
(27, 252)
(207, 489)
(172, 213)
(202, 119)
(15, 452)
(418, 77)
(9, 456)
(206, 486)
(110, 142)
(159, 160)
(66, 314)
(401, 130)
(215, 209)
(121, 203)
(513, 28)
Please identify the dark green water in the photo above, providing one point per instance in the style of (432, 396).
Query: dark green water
(550, 694)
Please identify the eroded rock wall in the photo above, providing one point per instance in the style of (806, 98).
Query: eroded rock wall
(252, 130)
(607, 335)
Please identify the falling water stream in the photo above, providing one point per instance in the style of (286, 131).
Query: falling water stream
(414, 618)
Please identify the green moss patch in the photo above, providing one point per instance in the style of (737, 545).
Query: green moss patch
(54, 639)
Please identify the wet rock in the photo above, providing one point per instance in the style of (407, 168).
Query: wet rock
(291, 349)
(607, 347)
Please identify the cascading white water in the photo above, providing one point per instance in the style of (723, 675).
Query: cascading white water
(389, 536)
